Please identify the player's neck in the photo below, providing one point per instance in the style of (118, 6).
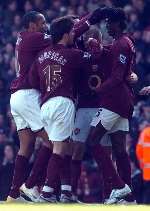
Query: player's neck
(31, 30)
(118, 35)
(62, 42)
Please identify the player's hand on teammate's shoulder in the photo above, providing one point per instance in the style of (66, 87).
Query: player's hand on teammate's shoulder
(145, 91)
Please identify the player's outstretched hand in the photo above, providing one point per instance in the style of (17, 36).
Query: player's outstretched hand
(100, 14)
(145, 91)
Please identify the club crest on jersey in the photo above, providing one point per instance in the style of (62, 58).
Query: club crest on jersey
(46, 36)
(122, 58)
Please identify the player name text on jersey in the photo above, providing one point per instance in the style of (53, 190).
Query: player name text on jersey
(53, 56)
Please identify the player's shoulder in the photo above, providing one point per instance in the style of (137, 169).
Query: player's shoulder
(43, 53)
(74, 51)
(80, 53)
(34, 36)
(130, 42)
(126, 42)
(39, 36)
(122, 44)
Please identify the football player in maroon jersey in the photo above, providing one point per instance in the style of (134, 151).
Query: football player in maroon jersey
(88, 103)
(55, 71)
(25, 106)
(116, 103)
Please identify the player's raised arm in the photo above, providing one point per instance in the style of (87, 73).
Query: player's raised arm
(81, 27)
(93, 18)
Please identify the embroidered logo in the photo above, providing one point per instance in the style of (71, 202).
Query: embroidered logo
(122, 58)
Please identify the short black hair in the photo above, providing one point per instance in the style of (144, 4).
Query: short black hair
(29, 17)
(118, 15)
(59, 27)
(73, 17)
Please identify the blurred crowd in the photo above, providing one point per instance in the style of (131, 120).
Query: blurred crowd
(11, 12)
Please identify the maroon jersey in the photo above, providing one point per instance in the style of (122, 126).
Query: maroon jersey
(115, 93)
(90, 79)
(56, 71)
(28, 45)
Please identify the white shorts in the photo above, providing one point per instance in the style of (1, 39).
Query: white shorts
(81, 130)
(58, 118)
(25, 109)
(111, 121)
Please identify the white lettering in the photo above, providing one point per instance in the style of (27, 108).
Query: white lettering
(52, 56)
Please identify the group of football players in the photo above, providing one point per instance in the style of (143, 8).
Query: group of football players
(72, 91)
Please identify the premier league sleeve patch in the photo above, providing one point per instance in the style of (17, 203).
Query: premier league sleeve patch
(122, 58)
(47, 36)
(86, 55)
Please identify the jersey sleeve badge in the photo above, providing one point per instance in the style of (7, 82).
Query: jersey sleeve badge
(122, 59)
